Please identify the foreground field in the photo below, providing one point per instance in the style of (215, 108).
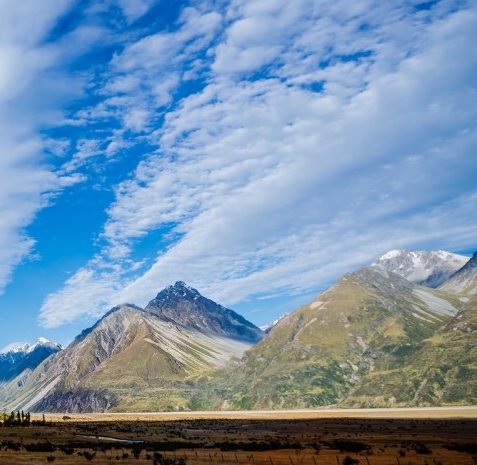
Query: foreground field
(274, 438)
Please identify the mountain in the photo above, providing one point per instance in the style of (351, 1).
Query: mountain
(443, 371)
(399, 332)
(184, 305)
(18, 358)
(137, 360)
(464, 281)
(428, 268)
(371, 322)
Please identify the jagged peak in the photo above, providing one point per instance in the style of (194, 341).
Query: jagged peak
(184, 305)
(179, 290)
(25, 347)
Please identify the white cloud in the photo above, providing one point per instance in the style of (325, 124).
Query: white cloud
(67, 305)
(267, 186)
(134, 9)
(34, 87)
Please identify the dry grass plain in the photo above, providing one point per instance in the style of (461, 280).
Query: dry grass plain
(338, 437)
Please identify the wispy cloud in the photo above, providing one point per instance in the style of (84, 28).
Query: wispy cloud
(287, 142)
(27, 104)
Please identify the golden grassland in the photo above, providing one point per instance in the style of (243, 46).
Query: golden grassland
(339, 437)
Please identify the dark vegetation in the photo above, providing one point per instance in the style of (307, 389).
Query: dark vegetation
(258, 442)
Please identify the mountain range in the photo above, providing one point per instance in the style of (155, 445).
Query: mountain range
(399, 332)
(20, 357)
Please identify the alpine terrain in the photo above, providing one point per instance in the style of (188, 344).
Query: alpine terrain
(135, 360)
(399, 332)
(374, 339)
(19, 360)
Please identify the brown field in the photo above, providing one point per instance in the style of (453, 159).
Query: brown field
(339, 437)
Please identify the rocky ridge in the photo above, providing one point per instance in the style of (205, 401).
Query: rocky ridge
(427, 268)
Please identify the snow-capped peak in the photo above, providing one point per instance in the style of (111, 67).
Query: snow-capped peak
(267, 328)
(392, 254)
(15, 347)
(25, 347)
(428, 268)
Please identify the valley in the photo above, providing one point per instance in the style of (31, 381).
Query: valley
(343, 437)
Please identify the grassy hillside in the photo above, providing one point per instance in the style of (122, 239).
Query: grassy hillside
(442, 372)
(366, 323)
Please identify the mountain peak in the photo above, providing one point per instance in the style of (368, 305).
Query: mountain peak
(17, 357)
(428, 268)
(26, 348)
(184, 305)
(181, 289)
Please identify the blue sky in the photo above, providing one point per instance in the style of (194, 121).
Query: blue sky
(256, 149)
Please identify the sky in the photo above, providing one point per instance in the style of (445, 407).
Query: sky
(256, 149)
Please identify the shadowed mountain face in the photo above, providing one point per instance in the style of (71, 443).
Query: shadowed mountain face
(464, 281)
(185, 306)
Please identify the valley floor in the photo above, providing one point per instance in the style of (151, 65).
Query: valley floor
(339, 437)
(414, 412)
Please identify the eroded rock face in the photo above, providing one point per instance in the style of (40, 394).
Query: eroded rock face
(78, 401)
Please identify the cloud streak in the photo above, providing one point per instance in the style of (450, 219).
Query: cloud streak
(283, 145)
(28, 182)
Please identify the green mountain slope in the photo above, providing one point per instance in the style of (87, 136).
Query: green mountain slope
(442, 372)
(374, 339)
(369, 321)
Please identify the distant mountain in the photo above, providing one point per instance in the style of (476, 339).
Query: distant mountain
(138, 360)
(428, 268)
(270, 326)
(18, 358)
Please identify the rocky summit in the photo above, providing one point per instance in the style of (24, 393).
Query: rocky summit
(397, 333)
(186, 306)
